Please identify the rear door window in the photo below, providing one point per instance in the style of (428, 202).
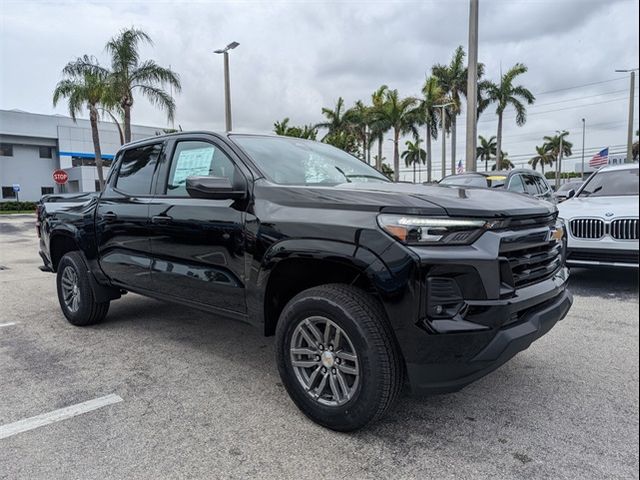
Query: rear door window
(136, 170)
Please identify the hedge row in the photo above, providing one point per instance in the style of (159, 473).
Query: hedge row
(17, 206)
(565, 175)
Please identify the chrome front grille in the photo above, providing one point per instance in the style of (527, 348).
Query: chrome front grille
(587, 228)
(626, 229)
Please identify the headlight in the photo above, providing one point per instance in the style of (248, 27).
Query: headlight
(414, 230)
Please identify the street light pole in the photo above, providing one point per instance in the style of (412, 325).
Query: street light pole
(632, 86)
(583, 134)
(227, 84)
(472, 88)
(559, 161)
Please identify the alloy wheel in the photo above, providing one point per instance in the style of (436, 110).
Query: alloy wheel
(70, 289)
(324, 361)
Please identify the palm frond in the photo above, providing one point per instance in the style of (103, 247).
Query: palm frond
(159, 98)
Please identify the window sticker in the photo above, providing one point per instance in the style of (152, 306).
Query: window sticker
(192, 162)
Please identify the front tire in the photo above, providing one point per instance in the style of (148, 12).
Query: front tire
(337, 357)
(75, 293)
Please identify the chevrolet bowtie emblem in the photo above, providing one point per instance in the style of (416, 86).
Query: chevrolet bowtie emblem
(556, 234)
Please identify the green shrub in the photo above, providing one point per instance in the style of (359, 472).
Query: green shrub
(17, 206)
(565, 175)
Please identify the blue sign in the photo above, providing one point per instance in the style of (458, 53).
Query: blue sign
(16, 187)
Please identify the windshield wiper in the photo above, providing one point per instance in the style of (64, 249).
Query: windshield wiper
(346, 177)
(364, 176)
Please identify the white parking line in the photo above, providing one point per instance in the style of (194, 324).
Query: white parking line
(7, 324)
(57, 415)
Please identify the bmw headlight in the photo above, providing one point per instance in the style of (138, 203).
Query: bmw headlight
(418, 230)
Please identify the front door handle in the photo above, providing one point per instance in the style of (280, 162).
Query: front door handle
(161, 219)
(109, 216)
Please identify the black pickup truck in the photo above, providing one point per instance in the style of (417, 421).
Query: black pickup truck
(364, 282)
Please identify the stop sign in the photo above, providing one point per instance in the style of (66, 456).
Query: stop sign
(60, 177)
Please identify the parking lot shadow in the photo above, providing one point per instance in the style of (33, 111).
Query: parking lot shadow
(605, 282)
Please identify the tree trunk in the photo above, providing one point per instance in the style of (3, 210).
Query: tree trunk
(379, 159)
(115, 120)
(454, 120)
(396, 156)
(486, 163)
(414, 170)
(93, 118)
(542, 165)
(127, 121)
(499, 143)
(428, 152)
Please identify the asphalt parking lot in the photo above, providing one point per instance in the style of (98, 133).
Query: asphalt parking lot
(201, 397)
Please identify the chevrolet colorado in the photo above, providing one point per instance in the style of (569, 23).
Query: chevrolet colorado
(365, 283)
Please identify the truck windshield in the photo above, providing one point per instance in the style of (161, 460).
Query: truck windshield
(294, 161)
(613, 183)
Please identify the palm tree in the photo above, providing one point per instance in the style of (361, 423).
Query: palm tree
(387, 171)
(505, 94)
(486, 150)
(504, 164)
(542, 157)
(281, 128)
(552, 145)
(432, 96)
(359, 117)
(84, 85)
(452, 79)
(128, 73)
(344, 140)
(400, 114)
(414, 155)
(379, 126)
(337, 119)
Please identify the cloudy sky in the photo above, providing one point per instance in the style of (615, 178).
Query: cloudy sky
(297, 56)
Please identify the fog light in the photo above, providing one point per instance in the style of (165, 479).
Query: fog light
(439, 309)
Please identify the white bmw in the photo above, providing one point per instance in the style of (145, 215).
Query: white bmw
(602, 219)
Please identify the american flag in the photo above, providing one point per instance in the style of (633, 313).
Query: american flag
(600, 159)
(460, 168)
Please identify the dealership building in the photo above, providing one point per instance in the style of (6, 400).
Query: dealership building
(33, 146)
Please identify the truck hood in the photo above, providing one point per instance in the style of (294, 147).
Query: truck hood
(603, 207)
(408, 198)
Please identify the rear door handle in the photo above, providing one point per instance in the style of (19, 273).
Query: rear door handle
(161, 219)
(109, 216)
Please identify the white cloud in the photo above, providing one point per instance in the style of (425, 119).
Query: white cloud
(296, 57)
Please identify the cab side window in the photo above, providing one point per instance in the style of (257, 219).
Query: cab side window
(136, 170)
(530, 184)
(543, 186)
(516, 185)
(197, 158)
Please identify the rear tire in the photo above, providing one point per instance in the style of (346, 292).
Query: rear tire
(362, 372)
(75, 293)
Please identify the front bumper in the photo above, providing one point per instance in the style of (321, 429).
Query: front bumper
(605, 251)
(601, 257)
(466, 357)
(447, 362)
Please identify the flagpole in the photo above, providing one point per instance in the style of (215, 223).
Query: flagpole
(583, 132)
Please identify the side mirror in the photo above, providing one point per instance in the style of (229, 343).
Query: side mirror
(219, 188)
(571, 193)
